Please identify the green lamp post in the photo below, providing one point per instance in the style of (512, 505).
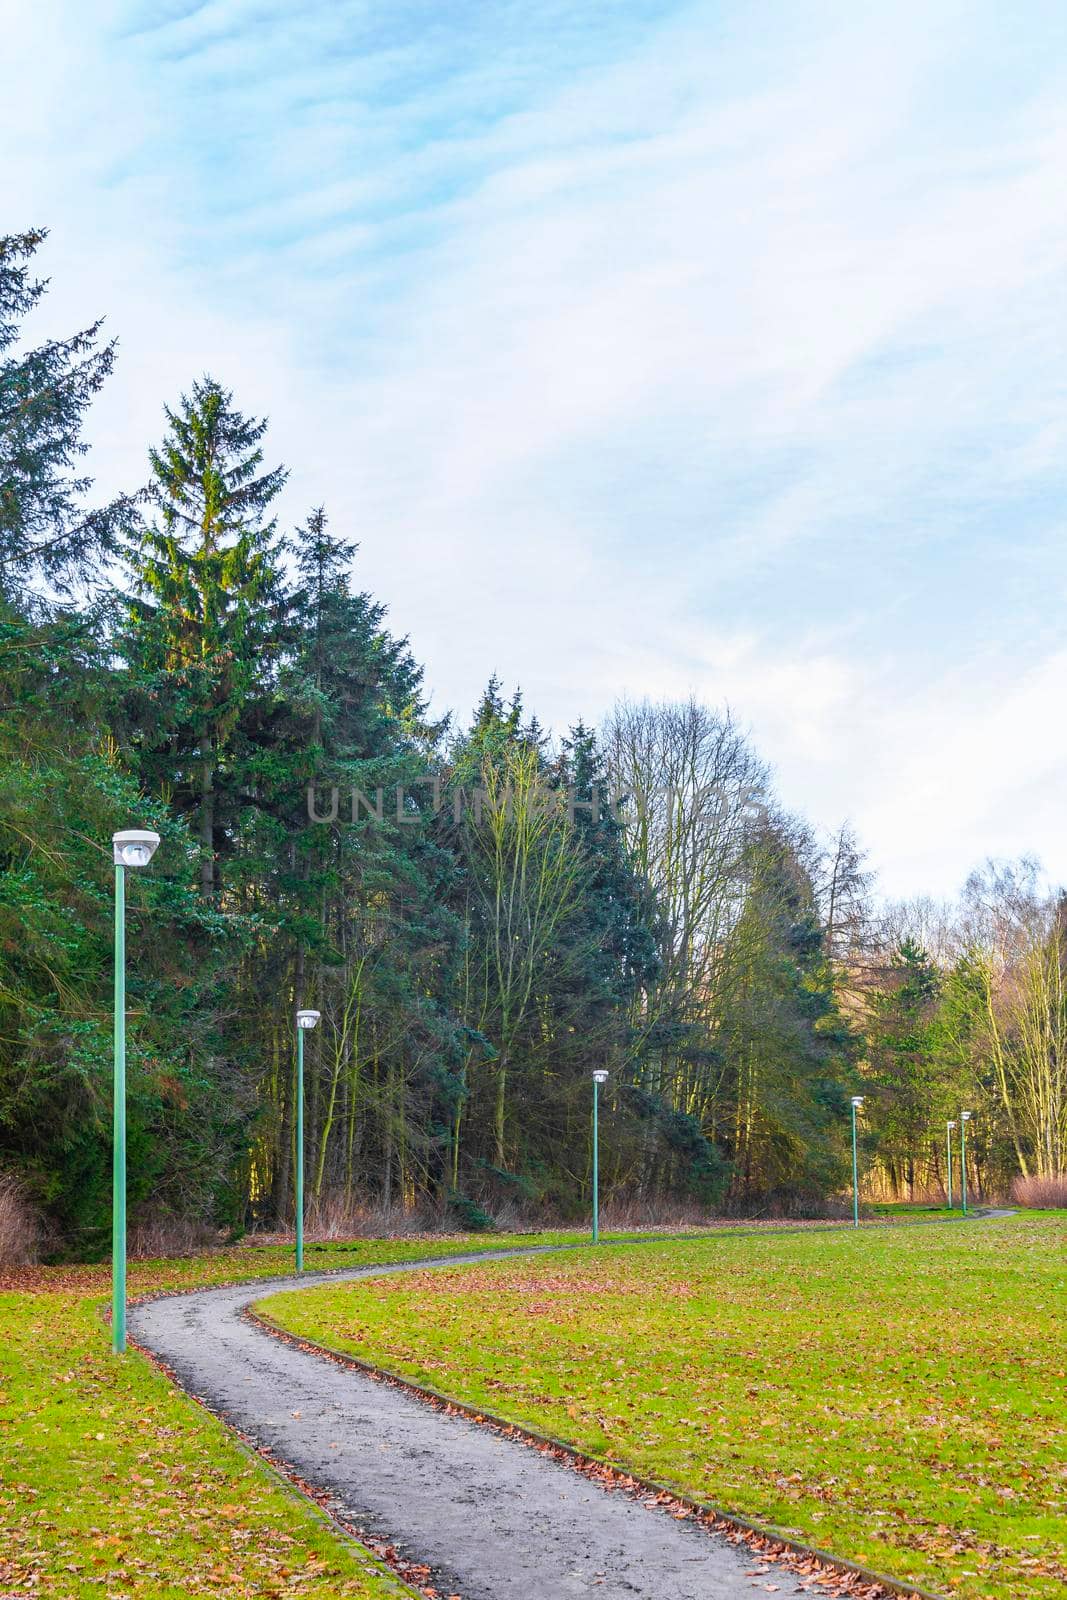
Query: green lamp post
(599, 1077)
(132, 847)
(949, 1126)
(965, 1117)
(305, 1021)
(857, 1102)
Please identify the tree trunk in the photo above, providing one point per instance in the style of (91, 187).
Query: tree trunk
(499, 1114)
(207, 818)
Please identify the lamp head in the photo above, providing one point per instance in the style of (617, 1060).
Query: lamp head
(965, 1116)
(950, 1126)
(306, 1020)
(134, 847)
(600, 1076)
(857, 1100)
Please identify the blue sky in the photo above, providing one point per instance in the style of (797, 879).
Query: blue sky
(647, 348)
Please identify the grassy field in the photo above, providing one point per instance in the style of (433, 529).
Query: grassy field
(896, 1396)
(113, 1483)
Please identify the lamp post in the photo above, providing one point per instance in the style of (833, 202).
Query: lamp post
(305, 1021)
(965, 1117)
(949, 1127)
(599, 1077)
(133, 847)
(857, 1102)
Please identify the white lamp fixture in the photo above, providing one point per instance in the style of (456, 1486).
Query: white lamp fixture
(134, 847)
(965, 1116)
(600, 1076)
(857, 1100)
(307, 1019)
(950, 1126)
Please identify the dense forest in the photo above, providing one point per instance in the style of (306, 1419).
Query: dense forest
(483, 913)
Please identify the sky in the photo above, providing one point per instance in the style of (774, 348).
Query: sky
(647, 348)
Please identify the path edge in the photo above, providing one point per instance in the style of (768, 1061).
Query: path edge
(297, 1488)
(710, 1510)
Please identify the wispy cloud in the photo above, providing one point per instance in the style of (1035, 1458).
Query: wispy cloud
(646, 347)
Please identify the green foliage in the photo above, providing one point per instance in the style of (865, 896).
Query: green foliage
(60, 800)
(787, 1050)
(202, 634)
(901, 1050)
(469, 1214)
(45, 532)
(700, 1167)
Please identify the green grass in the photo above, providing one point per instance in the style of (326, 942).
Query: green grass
(113, 1483)
(896, 1396)
(908, 1208)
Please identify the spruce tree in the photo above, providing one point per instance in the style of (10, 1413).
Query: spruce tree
(45, 530)
(901, 1051)
(360, 904)
(788, 1053)
(204, 621)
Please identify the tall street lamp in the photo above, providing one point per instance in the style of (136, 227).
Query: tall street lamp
(133, 847)
(305, 1021)
(599, 1077)
(949, 1126)
(965, 1117)
(857, 1102)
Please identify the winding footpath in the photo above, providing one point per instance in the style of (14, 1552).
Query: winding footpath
(491, 1518)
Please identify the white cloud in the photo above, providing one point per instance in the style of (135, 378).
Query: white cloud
(721, 353)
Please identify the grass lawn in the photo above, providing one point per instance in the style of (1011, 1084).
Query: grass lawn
(897, 1396)
(113, 1483)
(910, 1209)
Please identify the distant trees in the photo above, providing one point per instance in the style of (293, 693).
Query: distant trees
(526, 870)
(979, 1025)
(1006, 1025)
(554, 937)
(687, 785)
(741, 1030)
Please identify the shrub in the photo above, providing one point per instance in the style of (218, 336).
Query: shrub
(336, 1216)
(472, 1217)
(1041, 1194)
(21, 1233)
(160, 1235)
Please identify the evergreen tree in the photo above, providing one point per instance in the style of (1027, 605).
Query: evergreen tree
(45, 531)
(788, 1053)
(901, 1053)
(63, 792)
(204, 624)
(360, 903)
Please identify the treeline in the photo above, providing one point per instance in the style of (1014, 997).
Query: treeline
(966, 1006)
(497, 914)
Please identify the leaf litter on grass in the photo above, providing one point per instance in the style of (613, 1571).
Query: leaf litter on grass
(896, 1397)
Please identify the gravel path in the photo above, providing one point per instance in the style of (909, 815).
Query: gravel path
(493, 1519)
